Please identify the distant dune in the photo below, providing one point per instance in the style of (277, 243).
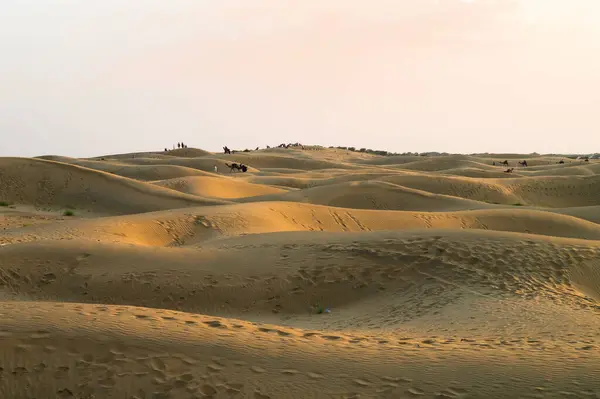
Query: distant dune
(318, 273)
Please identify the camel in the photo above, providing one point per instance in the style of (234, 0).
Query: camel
(226, 150)
(237, 167)
(509, 170)
(505, 163)
(524, 163)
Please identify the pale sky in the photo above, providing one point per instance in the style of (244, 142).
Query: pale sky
(86, 78)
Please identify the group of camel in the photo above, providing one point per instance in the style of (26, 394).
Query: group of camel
(510, 170)
(237, 167)
(283, 145)
(524, 164)
(226, 149)
(244, 168)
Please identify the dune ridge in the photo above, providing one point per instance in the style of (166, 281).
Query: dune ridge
(318, 273)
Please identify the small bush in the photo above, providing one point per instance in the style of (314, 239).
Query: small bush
(518, 204)
(4, 203)
(68, 213)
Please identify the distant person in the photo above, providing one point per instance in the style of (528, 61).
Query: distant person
(178, 145)
(216, 169)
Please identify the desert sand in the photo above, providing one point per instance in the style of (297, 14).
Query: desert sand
(319, 273)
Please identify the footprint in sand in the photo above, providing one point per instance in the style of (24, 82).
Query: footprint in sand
(258, 369)
(38, 368)
(415, 392)
(208, 390)
(214, 324)
(40, 334)
(65, 393)
(19, 371)
(396, 379)
(157, 364)
(214, 368)
(362, 383)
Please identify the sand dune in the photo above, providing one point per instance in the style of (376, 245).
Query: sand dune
(188, 152)
(73, 350)
(538, 191)
(52, 184)
(206, 164)
(589, 213)
(557, 192)
(217, 187)
(436, 164)
(301, 180)
(375, 195)
(568, 170)
(193, 226)
(137, 172)
(286, 273)
(254, 160)
(319, 273)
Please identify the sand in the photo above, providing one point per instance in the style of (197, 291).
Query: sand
(319, 273)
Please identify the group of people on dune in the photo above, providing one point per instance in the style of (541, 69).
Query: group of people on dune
(179, 145)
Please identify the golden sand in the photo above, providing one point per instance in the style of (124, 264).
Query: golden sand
(316, 274)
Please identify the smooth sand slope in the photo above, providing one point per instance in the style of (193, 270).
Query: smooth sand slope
(375, 195)
(218, 187)
(57, 185)
(317, 274)
(137, 172)
(194, 226)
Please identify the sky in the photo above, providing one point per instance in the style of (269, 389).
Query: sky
(81, 78)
